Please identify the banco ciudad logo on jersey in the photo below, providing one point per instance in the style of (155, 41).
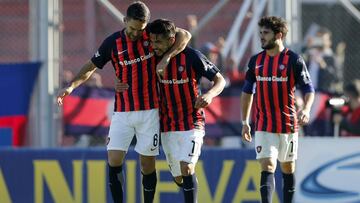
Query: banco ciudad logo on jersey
(271, 79)
(136, 60)
(337, 180)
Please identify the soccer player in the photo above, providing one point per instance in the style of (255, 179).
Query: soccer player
(136, 110)
(274, 74)
(181, 109)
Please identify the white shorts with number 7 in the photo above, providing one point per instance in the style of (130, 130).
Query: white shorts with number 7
(280, 146)
(182, 146)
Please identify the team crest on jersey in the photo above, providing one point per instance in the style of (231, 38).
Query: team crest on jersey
(258, 149)
(97, 54)
(282, 67)
(181, 68)
(146, 43)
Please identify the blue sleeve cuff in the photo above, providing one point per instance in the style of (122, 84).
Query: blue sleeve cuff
(249, 87)
(307, 88)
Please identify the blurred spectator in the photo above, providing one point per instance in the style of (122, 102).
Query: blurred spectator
(323, 66)
(67, 76)
(349, 121)
(212, 52)
(95, 80)
(85, 140)
(191, 21)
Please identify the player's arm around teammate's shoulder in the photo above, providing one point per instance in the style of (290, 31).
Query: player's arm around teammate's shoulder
(182, 38)
(84, 74)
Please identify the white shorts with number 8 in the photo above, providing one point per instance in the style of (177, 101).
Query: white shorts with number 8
(143, 124)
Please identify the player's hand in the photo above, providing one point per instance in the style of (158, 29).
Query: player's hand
(161, 66)
(203, 101)
(120, 86)
(62, 94)
(303, 116)
(246, 133)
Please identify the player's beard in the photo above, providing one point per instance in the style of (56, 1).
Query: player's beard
(270, 45)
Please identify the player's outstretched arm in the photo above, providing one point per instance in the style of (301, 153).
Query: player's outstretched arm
(182, 38)
(84, 74)
(205, 99)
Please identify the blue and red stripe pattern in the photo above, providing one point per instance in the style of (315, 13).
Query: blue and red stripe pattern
(276, 79)
(134, 64)
(16, 84)
(179, 89)
(88, 110)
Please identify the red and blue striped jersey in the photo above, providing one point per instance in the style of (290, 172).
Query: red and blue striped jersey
(134, 64)
(276, 79)
(179, 89)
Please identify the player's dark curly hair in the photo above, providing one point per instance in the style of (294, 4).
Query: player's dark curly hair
(138, 11)
(276, 24)
(162, 27)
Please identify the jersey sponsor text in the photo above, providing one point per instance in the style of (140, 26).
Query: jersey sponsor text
(273, 79)
(175, 81)
(137, 60)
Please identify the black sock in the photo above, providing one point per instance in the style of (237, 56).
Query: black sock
(288, 187)
(178, 184)
(149, 185)
(190, 188)
(267, 186)
(116, 179)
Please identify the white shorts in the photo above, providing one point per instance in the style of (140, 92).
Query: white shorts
(282, 147)
(182, 146)
(144, 125)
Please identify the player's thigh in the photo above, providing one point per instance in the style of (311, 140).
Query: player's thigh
(266, 145)
(288, 147)
(121, 132)
(170, 146)
(190, 145)
(148, 132)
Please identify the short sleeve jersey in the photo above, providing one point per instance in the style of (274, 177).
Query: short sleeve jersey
(134, 64)
(179, 89)
(276, 79)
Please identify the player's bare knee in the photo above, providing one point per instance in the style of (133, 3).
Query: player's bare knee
(288, 167)
(147, 164)
(187, 168)
(178, 180)
(268, 164)
(116, 157)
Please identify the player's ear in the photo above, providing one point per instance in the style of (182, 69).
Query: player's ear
(172, 40)
(279, 35)
(125, 19)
